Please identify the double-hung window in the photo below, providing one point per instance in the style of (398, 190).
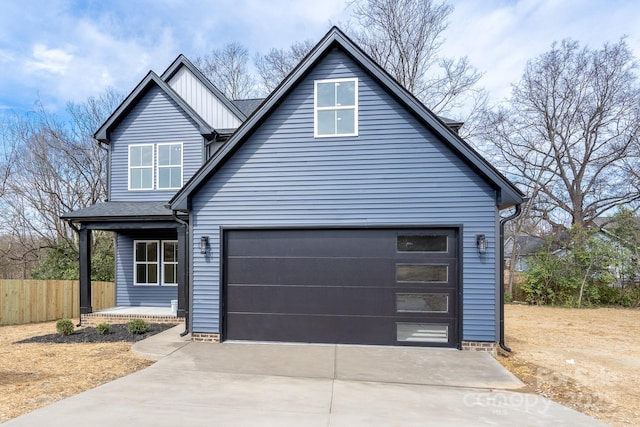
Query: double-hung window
(156, 262)
(336, 107)
(141, 167)
(146, 262)
(169, 166)
(170, 262)
(155, 166)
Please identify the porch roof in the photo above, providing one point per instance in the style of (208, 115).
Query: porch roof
(121, 211)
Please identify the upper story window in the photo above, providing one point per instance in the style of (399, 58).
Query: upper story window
(336, 107)
(141, 167)
(167, 167)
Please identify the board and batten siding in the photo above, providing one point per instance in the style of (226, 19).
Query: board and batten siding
(129, 295)
(394, 173)
(155, 119)
(200, 98)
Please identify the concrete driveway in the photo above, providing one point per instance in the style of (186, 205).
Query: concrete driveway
(241, 384)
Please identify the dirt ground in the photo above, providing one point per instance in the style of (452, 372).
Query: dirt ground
(34, 375)
(587, 359)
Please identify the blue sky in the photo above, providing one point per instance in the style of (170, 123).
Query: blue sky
(59, 51)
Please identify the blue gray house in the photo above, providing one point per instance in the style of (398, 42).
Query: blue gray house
(341, 210)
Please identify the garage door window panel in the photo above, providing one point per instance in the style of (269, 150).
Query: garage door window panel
(422, 303)
(422, 332)
(422, 273)
(422, 243)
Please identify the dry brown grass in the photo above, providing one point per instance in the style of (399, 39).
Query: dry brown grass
(587, 359)
(36, 375)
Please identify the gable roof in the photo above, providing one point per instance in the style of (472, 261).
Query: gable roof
(182, 61)
(335, 38)
(103, 134)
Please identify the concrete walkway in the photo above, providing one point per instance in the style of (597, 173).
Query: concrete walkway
(242, 384)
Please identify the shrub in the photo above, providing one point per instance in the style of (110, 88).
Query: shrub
(138, 327)
(64, 327)
(518, 293)
(631, 297)
(508, 299)
(103, 329)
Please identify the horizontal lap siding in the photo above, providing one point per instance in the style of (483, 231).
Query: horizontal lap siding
(155, 119)
(126, 293)
(395, 172)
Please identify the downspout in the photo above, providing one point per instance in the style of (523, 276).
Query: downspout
(186, 224)
(503, 221)
(77, 230)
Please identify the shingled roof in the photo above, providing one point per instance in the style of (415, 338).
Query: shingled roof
(121, 211)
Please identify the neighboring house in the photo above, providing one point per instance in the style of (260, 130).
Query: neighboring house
(340, 211)
(525, 248)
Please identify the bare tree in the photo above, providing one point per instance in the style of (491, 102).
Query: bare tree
(55, 167)
(276, 64)
(570, 130)
(227, 68)
(405, 38)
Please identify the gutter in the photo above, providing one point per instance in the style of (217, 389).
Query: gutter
(503, 221)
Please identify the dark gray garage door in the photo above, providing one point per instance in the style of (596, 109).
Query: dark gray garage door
(356, 286)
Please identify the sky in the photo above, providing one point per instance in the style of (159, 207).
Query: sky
(56, 51)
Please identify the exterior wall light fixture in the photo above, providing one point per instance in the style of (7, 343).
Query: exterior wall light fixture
(204, 242)
(481, 243)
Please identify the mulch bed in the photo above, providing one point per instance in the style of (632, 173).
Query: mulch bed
(119, 333)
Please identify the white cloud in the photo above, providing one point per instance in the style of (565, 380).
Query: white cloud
(77, 49)
(500, 36)
(54, 61)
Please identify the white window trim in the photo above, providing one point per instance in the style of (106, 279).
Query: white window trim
(158, 167)
(136, 263)
(169, 262)
(334, 108)
(129, 167)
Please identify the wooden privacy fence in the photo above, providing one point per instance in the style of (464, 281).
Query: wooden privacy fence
(27, 301)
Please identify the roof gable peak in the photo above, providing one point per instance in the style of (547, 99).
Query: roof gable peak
(509, 195)
(151, 79)
(182, 61)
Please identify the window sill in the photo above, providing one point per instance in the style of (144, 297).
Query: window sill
(339, 135)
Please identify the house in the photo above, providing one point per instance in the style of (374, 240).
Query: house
(525, 247)
(341, 210)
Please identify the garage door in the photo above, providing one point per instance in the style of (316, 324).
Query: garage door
(355, 286)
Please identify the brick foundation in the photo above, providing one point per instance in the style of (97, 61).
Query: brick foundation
(94, 319)
(205, 337)
(489, 347)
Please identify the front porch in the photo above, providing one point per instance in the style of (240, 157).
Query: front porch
(116, 315)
